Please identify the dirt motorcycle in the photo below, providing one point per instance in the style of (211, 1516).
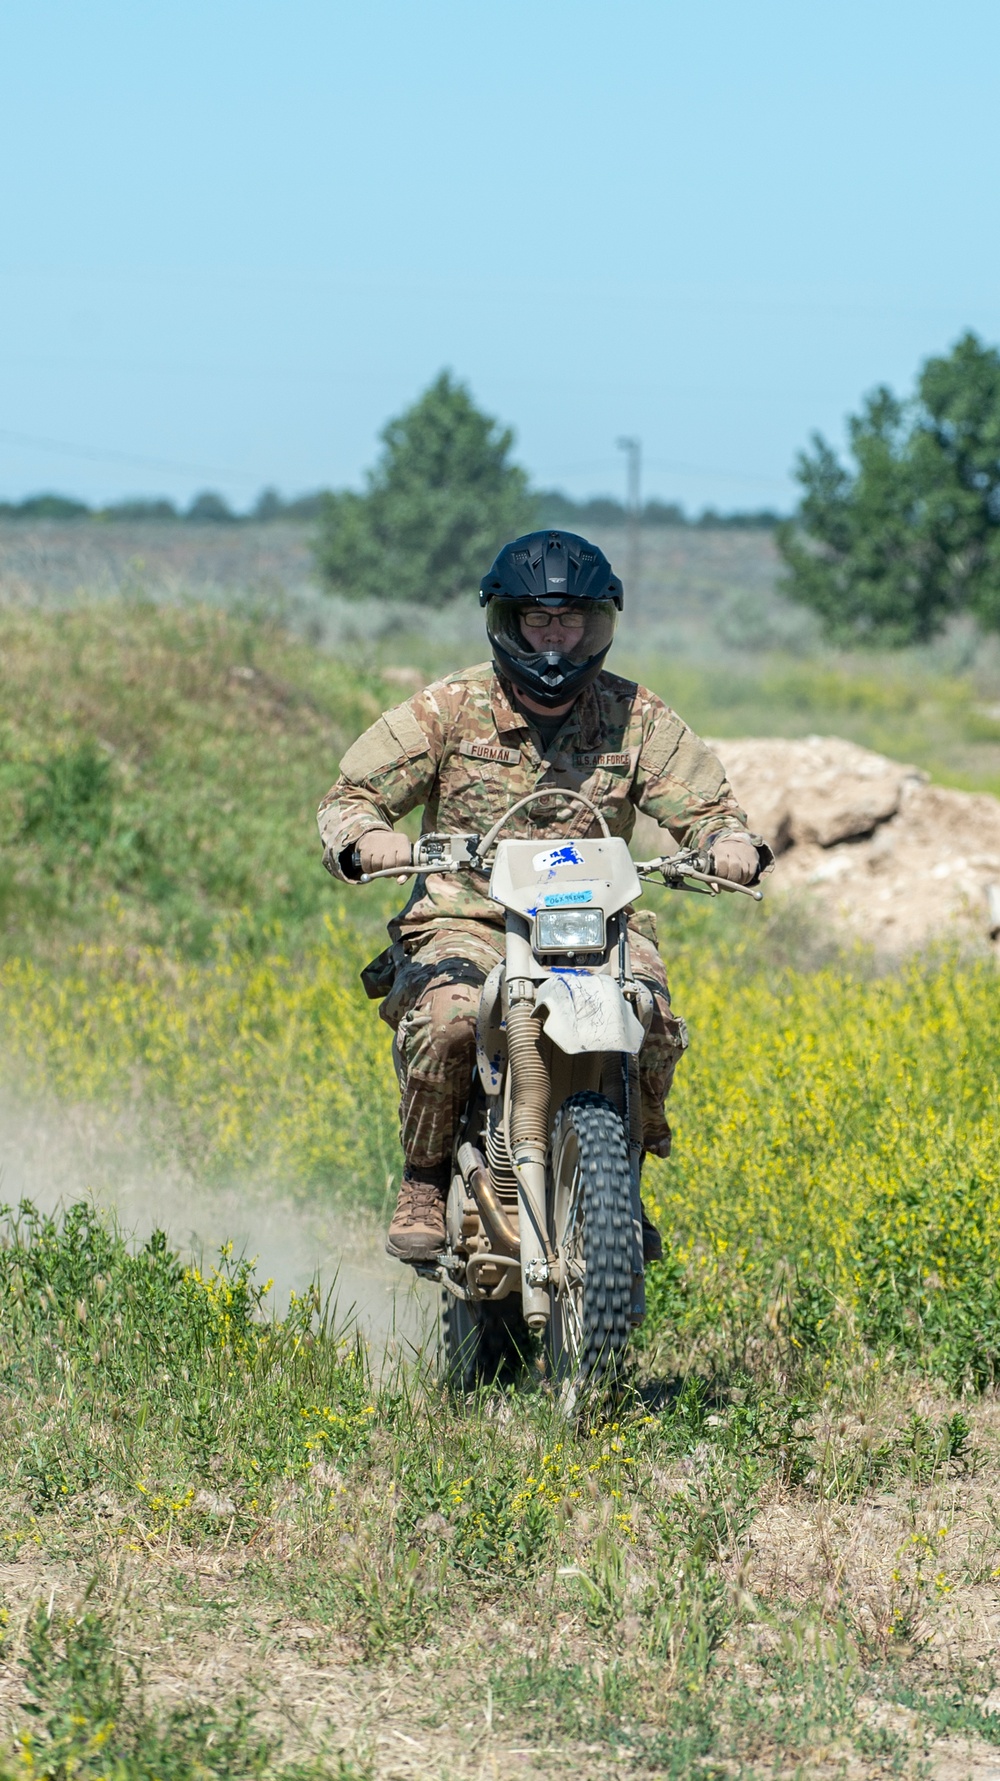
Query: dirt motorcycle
(544, 1229)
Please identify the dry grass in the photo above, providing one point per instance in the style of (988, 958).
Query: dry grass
(789, 1575)
(843, 1655)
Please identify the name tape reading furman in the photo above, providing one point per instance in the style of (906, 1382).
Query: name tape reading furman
(490, 751)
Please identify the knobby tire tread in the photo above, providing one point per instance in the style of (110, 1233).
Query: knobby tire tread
(605, 1167)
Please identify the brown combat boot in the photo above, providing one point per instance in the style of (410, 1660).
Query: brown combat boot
(652, 1242)
(417, 1232)
(656, 1141)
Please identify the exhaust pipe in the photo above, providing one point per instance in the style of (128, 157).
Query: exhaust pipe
(476, 1176)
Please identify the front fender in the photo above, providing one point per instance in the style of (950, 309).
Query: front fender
(582, 1011)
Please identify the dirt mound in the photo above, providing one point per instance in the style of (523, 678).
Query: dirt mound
(891, 859)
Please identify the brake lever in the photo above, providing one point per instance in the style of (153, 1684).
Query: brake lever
(433, 868)
(725, 884)
(674, 869)
(410, 871)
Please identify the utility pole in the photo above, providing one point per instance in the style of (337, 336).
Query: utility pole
(633, 510)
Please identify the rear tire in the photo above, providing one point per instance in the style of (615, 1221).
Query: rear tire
(482, 1344)
(590, 1220)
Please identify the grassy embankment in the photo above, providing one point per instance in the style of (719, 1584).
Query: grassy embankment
(786, 1544)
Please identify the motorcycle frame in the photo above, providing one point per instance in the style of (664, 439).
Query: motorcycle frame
(611, 1073)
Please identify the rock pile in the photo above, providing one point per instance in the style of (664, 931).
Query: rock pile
(888, 857)
(882, 854)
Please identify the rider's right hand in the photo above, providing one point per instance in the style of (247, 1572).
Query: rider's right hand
(735, 857)
(381, 849)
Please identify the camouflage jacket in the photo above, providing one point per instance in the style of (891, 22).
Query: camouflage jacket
(463, 750)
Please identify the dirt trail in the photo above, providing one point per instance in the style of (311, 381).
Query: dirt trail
(56, 1154)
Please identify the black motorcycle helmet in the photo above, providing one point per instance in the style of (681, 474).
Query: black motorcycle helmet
(540, 572)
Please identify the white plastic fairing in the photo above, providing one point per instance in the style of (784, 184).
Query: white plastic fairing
(600, 874)
(585, 1011)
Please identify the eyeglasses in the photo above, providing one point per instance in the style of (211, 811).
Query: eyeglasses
(537, 620)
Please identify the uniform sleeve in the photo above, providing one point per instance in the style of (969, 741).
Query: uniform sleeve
(389, 770)
(681, 784)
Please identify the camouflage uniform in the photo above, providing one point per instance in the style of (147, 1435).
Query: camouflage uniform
(464, 751)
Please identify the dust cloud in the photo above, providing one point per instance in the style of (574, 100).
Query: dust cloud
(55, 1154)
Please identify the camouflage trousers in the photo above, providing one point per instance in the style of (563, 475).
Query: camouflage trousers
(433, 1005)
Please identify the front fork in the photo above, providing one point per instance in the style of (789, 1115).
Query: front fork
(528, 1146)
(539, 1265)
(632, 1120)
(630, 1109)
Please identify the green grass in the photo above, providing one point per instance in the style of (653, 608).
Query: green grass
(160, 767)
(212, 1515)
(160, 770)
(897, 706)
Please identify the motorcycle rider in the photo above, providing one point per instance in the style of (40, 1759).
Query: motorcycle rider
(543, 713)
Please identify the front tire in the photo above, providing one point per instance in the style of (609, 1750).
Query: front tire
(590, 1221)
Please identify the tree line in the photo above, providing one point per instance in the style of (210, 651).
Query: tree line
(206, 508)
(885, 548)
(443, 495)
(552, 507)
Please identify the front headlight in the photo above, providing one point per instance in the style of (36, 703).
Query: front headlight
(569, 930)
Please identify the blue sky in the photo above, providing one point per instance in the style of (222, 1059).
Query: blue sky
(234, 239)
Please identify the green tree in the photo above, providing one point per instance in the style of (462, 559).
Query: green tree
(440, 501)
(50, 507)
(208, 508)
(887, 551)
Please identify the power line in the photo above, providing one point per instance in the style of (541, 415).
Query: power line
(99, 455)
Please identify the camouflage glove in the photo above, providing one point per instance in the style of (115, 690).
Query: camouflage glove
(735, 857)
(380, 849)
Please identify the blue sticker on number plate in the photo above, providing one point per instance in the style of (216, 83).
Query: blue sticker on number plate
(556, 899)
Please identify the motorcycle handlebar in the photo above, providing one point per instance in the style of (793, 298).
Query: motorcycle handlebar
(689, 870)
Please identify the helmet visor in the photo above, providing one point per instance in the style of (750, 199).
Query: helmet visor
(575, 630)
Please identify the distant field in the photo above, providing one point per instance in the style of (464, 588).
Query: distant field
(697, 588)
(54, 562)
(712, 635)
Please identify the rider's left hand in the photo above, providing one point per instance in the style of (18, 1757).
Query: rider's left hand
(735, 857)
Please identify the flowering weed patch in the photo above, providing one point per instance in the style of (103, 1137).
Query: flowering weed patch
(836, 1169)
(263, 1065)
(88, 1719)
(835, 1174)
